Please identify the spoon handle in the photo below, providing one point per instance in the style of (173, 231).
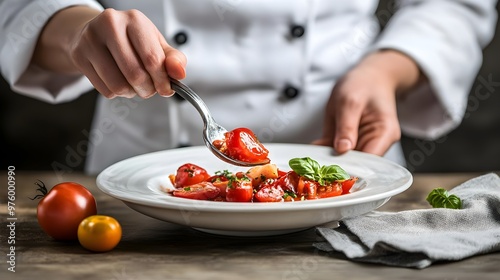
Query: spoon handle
(188, 94)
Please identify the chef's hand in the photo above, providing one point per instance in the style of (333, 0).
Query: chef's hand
(121, 52)
(361, 112)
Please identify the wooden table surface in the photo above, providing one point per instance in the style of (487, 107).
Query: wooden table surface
(153, 249)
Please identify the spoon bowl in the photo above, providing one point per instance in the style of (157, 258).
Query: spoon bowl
(211, 129)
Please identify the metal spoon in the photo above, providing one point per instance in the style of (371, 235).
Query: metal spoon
(211, 130)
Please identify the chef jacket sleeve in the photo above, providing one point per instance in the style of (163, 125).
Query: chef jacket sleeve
(445, 38)
(21, 22)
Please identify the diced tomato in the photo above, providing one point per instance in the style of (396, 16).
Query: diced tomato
(189, 174)
(172, 179)
(241, 175)
(307, 188)
(347, 184)
(242, 144)
(269, 193)
(217, 178)
(263, 183)
(200, 191)
(281, 173)
(266, 183)
(289, 181)
(218, 143)
(222, 186)
(239, 190)
(219, 181)
(330, 190)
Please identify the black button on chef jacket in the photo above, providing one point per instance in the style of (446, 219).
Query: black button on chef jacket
(290, 92)
(181, 38)
(297, 31)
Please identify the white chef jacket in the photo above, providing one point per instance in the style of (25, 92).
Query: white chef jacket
(255, 69)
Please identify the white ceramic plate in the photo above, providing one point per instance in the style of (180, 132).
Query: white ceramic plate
(140, 183)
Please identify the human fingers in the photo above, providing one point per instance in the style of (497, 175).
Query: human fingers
(94, 52)
(175, 64)
(349, 110)
(323, 141)
(377, 136)
(342, 116)
(114, 28)
(328, 131)
(109, 72)
(94, 78)
(138, 50)
(153, 51)
(95, 62)
(328, 127)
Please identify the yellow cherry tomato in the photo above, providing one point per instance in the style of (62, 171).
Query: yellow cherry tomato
(99, 233)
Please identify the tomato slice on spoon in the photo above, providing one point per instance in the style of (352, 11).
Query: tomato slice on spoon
(242, 144)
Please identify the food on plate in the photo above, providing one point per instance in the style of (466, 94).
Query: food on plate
(62, 209)
(99, 233)
(242, 144)
(190, 174)
(307, 180)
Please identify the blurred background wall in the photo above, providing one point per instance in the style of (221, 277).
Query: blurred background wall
(35, 135)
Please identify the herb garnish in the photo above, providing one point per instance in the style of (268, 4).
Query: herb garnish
(231, 178)
(311, 169)
(289, 194)
(440, 198)
(226, 173)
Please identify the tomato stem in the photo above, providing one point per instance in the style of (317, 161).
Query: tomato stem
(41, 188)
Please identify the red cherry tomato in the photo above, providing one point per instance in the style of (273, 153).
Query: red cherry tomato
(330, 190)
(239, 190)
(307, 188)
(289, 182)
(242, 144)
(220, 182)
(189, 174)
(62, 209)
(266, 183)
(347, 185)
(281, 173)
(269, 193)
(200, 191)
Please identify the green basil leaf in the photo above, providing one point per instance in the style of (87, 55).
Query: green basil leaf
(315, 166)
(439, 198)
(311, 170)
(333, 173)
(453, 202)
(312, 177)
(304, 166)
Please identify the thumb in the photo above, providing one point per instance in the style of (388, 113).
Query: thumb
(175, 60)
(175, 63)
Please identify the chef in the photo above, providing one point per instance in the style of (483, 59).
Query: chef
(292, 71)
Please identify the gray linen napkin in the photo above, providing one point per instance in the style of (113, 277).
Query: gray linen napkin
(418, 238)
